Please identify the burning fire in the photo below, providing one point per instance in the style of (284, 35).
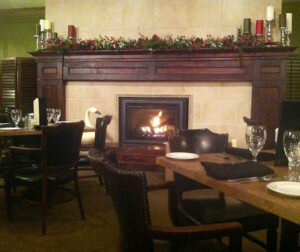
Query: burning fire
(155, 127)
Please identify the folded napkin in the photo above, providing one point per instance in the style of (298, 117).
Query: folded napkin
(235, 171)
(245, 153)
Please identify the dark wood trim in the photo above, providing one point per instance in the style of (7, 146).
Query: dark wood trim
(264, 67)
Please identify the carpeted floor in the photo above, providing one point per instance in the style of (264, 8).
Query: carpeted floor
(67, 232)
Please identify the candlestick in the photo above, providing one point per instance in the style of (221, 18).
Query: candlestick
(37, 41)
(270, 13)
(269, 30)
(259, 28)
(287, 38)
(282, 20)
(289, 25)
(247, 26)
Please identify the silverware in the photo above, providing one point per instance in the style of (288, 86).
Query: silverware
(262, 178)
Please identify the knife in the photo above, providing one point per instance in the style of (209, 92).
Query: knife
(240, 180)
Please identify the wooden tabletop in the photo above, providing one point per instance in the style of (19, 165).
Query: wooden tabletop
(254, 193)
(6, 132)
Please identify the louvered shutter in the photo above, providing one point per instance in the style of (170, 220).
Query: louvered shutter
(293, 78)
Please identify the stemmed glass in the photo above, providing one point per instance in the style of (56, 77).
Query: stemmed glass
(56, 115)
(291, 146)
(16, 116)
(255, 137)
(50, 112)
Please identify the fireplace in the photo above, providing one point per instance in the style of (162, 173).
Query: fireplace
(151, 119)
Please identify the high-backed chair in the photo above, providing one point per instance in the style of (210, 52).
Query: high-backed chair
(188, 211)
(59, 154)
(128, 190)
(99, 143)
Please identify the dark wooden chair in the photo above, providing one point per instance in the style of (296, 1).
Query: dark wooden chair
(99, 143)
(59, 154)
(128, 190)
(215, 208)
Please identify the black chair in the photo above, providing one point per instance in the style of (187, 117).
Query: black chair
(216, 208)
(128, 190)
(99, 143)
(58, 154)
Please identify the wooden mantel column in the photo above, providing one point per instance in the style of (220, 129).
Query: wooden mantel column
(264, 67)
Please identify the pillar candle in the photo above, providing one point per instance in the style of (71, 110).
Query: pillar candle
(289, 22)
(42, 24)
(259, 27)
(37, 29)
(282, 20)
(234, 142)
(270, 13)
(247, 25)
(71, 31)
(47, 24)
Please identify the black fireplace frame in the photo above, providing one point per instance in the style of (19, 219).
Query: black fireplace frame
(180, 103)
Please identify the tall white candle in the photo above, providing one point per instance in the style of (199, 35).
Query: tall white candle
(42, 24)
(47, 25)
(289, 22)
(270, 13)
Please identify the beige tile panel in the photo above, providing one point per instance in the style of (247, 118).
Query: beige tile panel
(236, 91)
(206, 107)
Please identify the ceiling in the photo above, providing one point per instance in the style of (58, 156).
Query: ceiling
(20, 4)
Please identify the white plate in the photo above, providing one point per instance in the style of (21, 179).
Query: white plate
(10, 128)
(182, 155)
(285, 187)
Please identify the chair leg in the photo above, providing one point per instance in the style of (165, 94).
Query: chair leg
(79, 198)
(7, 190)
(271, 240)
(100, 178)
(44, 206)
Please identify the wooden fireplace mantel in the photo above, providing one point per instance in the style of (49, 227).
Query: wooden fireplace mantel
(264, 67)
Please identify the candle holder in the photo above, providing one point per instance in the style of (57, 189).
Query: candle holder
(71, 38)
(287, 37)
(283, 36)
(48, 37)
(37, 41)
(42, 40)
(270, 24)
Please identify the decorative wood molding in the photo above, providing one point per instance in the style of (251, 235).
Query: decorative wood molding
(264, 67)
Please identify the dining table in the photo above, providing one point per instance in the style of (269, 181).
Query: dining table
(254, 191)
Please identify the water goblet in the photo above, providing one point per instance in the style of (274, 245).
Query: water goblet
(56, 115)
(291, 146)
(255, 137)
(16, 116)
(50, 112)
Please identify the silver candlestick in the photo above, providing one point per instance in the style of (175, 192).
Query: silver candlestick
(287, 38)
(283, 36)
(42, 39)
(37, 41)
(269, 30)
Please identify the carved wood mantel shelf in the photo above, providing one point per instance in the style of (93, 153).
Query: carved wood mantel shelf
(264, 67)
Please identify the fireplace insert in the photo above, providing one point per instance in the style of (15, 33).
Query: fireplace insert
(151, 119)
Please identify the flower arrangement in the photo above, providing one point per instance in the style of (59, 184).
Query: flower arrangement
(154, 43)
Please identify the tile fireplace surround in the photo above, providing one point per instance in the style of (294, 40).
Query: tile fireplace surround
(223, 85)
(217, 106)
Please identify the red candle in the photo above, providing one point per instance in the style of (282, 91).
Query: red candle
(71, 31)
(259, 27)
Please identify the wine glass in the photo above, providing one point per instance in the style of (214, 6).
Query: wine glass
(50, 112)
(16, 116)
(56, 115)
(291, 146)
(255, 137)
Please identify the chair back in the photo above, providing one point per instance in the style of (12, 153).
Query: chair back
(61, 144)
(100, 134)
(289, 120)
(198, 141)
(129, 196)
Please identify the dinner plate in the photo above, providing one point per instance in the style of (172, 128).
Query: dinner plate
(288, 188)
(10, 128)
(182, 155)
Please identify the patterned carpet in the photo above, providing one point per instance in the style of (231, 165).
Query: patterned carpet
(67, 232)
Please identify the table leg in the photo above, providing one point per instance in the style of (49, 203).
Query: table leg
(289, 236)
